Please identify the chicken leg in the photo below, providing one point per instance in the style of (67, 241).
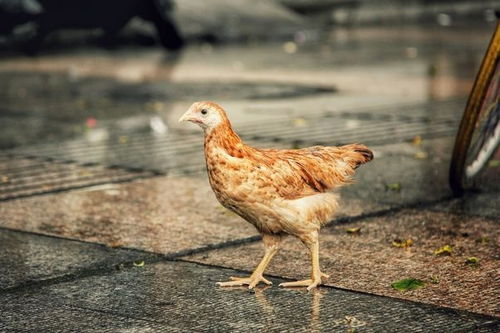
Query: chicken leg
(271, 244)
(312, 243)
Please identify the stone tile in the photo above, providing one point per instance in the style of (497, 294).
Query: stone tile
(172, 214)
(481, 204)
(368, 262)
(27, 258)
(179, 296)
(163, 215)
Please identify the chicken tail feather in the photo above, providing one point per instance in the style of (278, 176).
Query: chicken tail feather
(364, 154)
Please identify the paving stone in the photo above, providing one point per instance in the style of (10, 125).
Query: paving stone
(27, 258)
(481, 204)
(171, 214)
(163, 215)
(369, 262)
(179, 296)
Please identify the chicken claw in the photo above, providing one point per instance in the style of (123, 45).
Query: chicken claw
(309, 283)
(251, 281)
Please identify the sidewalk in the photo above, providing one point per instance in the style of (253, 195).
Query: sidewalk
(108, 224)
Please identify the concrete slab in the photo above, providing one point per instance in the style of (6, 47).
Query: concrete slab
(27, 258)
(163, 215)
(179, 296)
(369, 262)
(485, 204)
(173, 214)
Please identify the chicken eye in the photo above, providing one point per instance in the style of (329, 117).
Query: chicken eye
(204, 111)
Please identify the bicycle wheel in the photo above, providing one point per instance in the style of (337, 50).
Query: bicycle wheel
(479, 132)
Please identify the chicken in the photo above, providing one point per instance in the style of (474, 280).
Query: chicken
(280, 192)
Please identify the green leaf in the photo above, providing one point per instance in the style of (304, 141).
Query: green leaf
(494, 164)
(473, 261)
(407, 284)
(445, 250)
(139, 263)
(393, 187)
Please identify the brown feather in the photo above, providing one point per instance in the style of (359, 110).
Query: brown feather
(278, 190)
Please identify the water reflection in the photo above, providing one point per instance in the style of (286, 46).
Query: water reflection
(271, 303)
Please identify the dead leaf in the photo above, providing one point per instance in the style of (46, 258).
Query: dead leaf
(483, 240)
(417, 140)
(353, 230)
(4, 179)
(445, 250)
(396, 187)
(421, 155)
(116, 244)
(299, 122)
(434, 279)
(402, 243)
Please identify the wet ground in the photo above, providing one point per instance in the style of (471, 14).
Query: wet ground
(108, 222)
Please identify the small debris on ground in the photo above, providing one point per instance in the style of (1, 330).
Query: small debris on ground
(472, 261)
(445, 250)
(434, 279)
(91, 122)
(483, 240)
(421, 155)
(139, 263)
(396, 187)
(402, 243)
(494, 164)
(407, 284)
(353, 230)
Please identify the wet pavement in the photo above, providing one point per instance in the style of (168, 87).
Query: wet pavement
(107, 221)
(161, 295)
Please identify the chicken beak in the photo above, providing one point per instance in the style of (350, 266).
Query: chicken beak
(186, 116)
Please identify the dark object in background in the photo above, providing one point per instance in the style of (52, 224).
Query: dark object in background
(109, 15)
(15, 12)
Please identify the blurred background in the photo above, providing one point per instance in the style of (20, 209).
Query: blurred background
(105, 81)
(91, 150)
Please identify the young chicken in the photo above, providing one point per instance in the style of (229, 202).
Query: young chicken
(280, 192)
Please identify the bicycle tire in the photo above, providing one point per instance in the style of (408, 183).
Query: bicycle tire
(457, 179)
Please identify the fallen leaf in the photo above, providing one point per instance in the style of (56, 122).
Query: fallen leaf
(350, 321)
(353, 230)
(299, 122)
(421, 155)
(115, 244)
(473, 261)
(445, 250)
(139, 263)
(483, 240)
(417, 140)
(122, 139)
(494, 164)
(434, 279)
(393, 187)
(402, 243)
(4, 179)
(407, 284)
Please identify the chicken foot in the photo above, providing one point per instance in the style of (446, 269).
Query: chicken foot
(271, 243)
(312, 244)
